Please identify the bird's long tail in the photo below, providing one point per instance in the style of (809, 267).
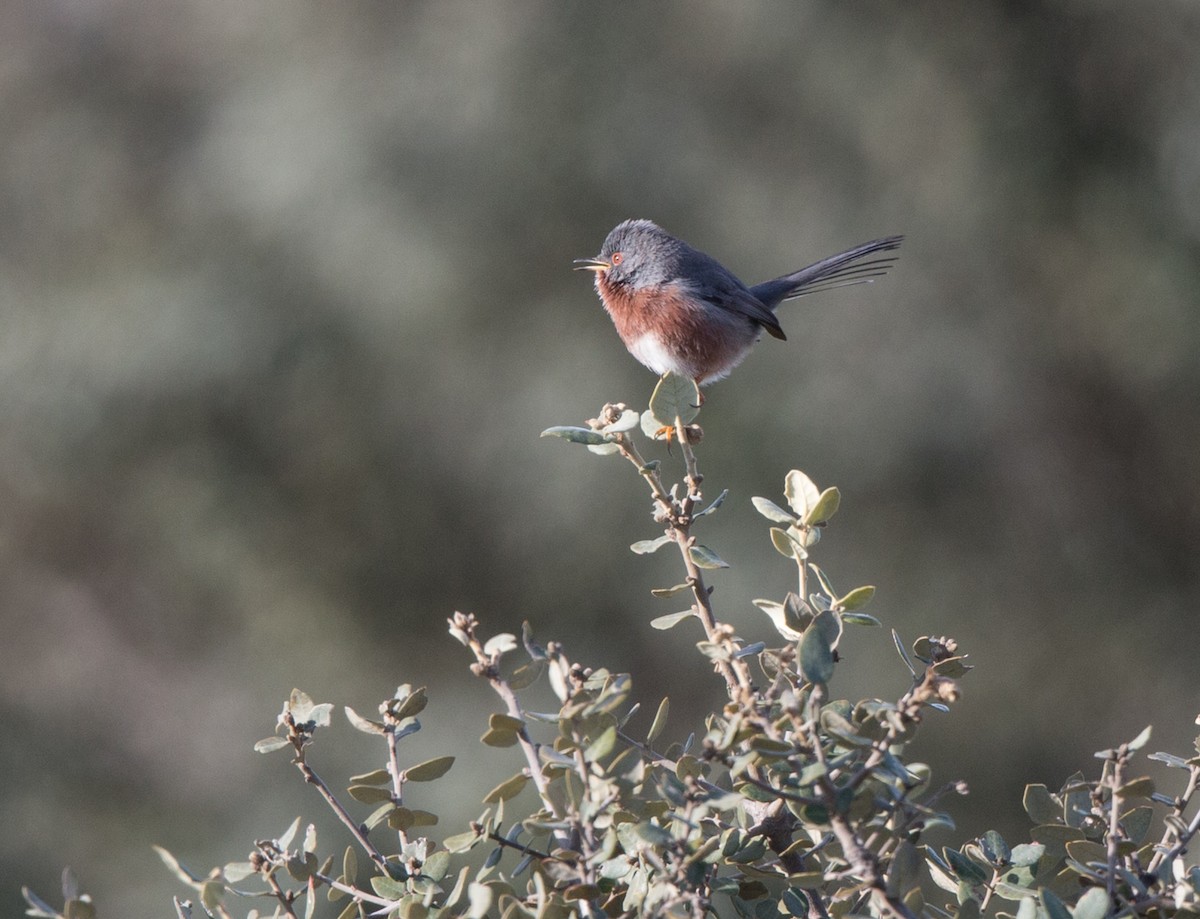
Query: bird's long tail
(854, 266)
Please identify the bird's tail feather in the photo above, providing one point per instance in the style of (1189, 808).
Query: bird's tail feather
(839, 270)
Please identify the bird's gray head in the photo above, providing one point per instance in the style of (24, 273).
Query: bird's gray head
(640, 253)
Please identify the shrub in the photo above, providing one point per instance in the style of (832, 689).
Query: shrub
(785, 802)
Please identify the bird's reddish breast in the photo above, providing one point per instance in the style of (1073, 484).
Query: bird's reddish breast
(701, 341)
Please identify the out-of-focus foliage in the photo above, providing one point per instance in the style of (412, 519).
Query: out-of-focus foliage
(286, 300)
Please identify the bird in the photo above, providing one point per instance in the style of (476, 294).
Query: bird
(681, 311)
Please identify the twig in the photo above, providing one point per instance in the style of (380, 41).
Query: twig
(1118, 760)
(678, 517)
(394, 768)
(285, 899)
(311, 777)
(496, 837)
(1162, 854)
(354, 892)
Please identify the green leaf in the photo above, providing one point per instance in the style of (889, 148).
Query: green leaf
(660, 719)
(773, 511)
(1136, 823)
(501, 643)
(670, 591)
(704, 557)
(188, 877)
(429, 770)
(861, 619)
(653, 834)
(965, 868)
(461, 842)
(1040, 805)
(903, 653)
(647, 546)
(856, 599)
(1141, 740)
(669, 621)
(37, 906)
(995, 849)
(823, 579)
(787, 623)
(369, 794)
(784, 544)
(499, 737)
(626, 422)
(576, 435)
(374, 777)
(414, 703)
(824, 507)
(1142, 787)
(404, 818)
(603, 745)
(271, 744)
(905, 871)
(527, 674)
(363, 724)
(830, 623)
(795, 902)
(286, 839)
(500, 720)
(1055, 836)
(1026, 854)
(800, 491)
(238, 871)
(1055, 908)
(436, 866)
(675, 397)
(350, 865)
(1092, 905)
(509, 788)
(816, 655)
(717, 502)
(386, 887)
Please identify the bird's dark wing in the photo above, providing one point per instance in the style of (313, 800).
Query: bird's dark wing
(854, 266)
(737, 299)
(712, 282)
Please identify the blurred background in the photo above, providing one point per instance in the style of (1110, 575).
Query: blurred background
(287, 299)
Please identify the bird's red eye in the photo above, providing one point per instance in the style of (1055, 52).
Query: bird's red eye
(617, 258)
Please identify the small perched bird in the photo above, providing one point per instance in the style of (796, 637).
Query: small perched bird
(680, 311)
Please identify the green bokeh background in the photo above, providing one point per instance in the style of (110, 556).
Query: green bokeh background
(287, 298)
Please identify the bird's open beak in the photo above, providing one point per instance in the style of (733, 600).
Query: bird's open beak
(592, 264)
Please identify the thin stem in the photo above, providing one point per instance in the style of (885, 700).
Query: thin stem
(394, 768)
(1163, 854)
(1116, 780)
(353, 891)
(861, 859)
(528, 747)
(311, 777)
(678, 514)
(285, 900)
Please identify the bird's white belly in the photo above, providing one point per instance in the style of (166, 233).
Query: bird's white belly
(650, 351)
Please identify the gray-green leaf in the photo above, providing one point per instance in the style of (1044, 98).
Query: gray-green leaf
(575, 435)
(772, 511)
(647, 546)
(675, 397)
(704, 557)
